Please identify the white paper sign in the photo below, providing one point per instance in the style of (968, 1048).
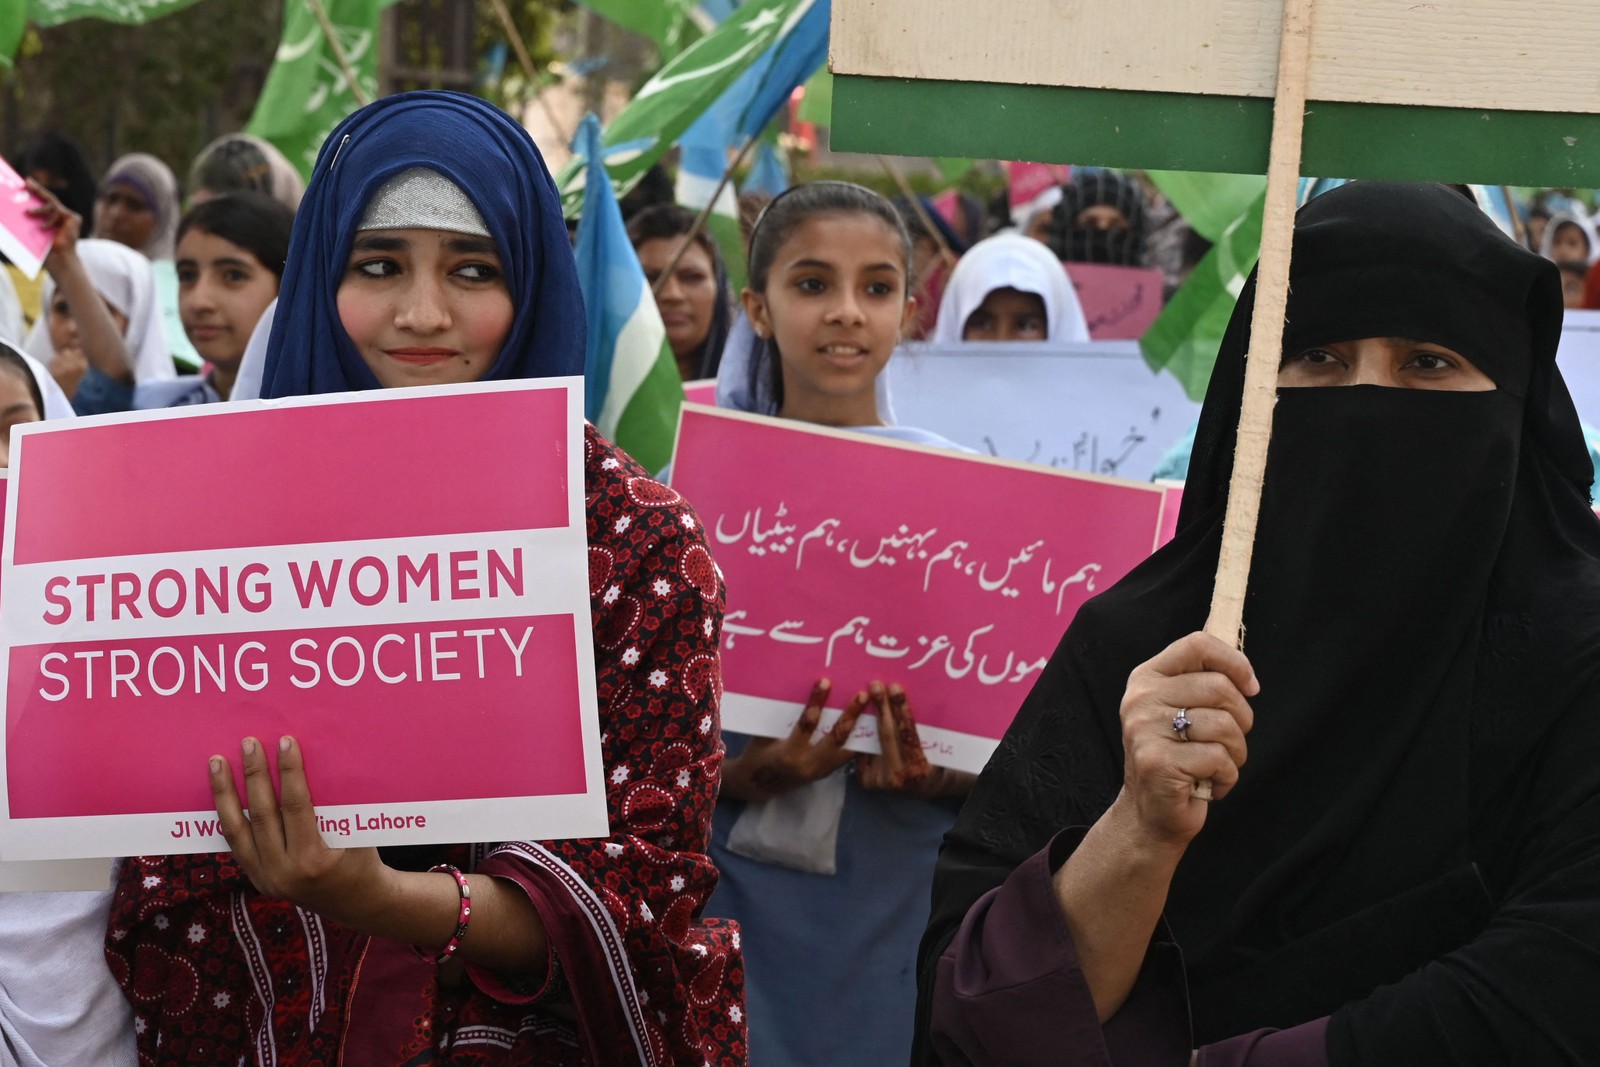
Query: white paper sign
(1579, 360)
(1094, 407)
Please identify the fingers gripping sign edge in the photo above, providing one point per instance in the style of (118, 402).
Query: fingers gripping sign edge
(231, 819)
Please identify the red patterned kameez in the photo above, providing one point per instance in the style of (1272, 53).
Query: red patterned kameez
(218, 974)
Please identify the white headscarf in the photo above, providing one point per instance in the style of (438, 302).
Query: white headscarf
(1583, 223)
(158, 186)
(1023, 218)
(247, 380)
(1011, 261)
(123, 277)
(13, 327)
(56, 404)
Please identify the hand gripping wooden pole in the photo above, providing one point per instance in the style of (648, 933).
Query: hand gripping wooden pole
(1226, 620)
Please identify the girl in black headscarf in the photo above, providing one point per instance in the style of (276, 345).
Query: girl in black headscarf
(56, 162)
(1407, 871)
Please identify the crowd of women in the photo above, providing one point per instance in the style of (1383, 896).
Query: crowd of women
(1406, 871)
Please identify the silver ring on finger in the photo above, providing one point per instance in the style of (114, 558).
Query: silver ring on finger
(1181, 723)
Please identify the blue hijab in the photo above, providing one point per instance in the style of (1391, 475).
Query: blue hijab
(495, 162)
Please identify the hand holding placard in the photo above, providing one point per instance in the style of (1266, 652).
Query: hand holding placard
(769, 766)
(279, 846)
(25, 235)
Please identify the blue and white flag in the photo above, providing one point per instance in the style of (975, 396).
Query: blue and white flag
(768, 175)
(632, 389)
(740, 114)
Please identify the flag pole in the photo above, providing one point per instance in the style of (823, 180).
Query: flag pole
(701, 219)
(945, 254)
(1519, 227)
(1226, 621)
(321, 15)
(529, 71)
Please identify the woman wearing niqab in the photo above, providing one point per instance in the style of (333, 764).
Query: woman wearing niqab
(1407, 868)
(1100, 218)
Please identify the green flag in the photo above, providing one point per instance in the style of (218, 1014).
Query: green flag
(12, 23)
(307, 93)
(1208, 202)
(659, 20)
(1185, 337)
(48, 13)
(668, 103)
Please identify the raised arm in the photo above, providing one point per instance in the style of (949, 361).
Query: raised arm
(1113, 888)
(98, 334)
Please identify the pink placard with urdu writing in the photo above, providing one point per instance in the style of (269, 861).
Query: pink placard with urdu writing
(397, 578)
(860, 559)
(22, 239)
(1119, 303)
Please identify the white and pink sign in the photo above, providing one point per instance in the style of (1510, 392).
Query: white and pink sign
(22, 239)
(1027, 180)
(397, 578)
(859, 559)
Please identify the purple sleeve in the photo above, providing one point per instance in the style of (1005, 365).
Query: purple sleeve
(1305, 1045)
(1008, 989)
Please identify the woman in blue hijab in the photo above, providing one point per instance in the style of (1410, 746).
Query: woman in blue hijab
(430, 249)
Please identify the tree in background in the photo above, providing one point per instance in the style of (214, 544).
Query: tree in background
(166, 87)
(170, 86)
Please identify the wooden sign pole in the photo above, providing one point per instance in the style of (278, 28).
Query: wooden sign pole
(1226, 620)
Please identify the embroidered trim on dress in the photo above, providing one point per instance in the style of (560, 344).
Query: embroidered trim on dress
(606, 933)
(260, 977)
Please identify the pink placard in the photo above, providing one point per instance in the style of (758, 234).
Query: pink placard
(1171, 503)
(859, 558)
(948, 206)
(1120, 303)
(399, 579)
(23, 240)
(1028, 180)
(285, 456)
(703, 391)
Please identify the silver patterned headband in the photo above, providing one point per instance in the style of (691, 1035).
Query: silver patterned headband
(424, 199)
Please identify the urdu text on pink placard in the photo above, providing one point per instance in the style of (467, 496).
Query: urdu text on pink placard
(1119, 303)
(398, 578)
(860, 559)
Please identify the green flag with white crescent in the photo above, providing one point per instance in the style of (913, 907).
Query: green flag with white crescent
(16, 14)
(667, 104)
(46, 13)
(307, 92)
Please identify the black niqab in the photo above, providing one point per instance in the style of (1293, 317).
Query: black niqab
(1119, 246)
(1424, 617)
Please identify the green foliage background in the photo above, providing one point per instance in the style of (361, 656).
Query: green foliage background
(170, 86)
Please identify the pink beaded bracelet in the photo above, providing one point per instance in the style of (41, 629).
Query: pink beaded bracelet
(465, 889)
